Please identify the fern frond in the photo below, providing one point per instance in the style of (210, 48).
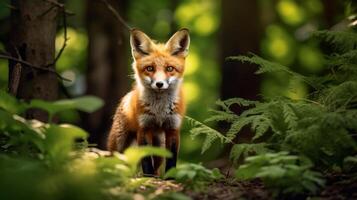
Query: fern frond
(266, 66)
(260, 125)
(342, 96)
(218, 115)
(238, 125)
(240, 102)
(222, 105)
(341, 40)
(290, 117)
(210, 134)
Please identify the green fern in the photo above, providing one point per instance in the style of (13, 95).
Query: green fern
(266, 66)
(319, 127)
(209, 133)
(341, 40)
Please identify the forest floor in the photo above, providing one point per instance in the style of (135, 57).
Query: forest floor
(338, 187)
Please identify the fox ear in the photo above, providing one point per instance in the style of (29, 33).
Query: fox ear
(179, 43)
(141, 44)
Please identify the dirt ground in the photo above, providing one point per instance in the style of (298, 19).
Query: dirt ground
(338, 187)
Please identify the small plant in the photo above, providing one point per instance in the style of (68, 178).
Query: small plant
(47, 161)
(283, 173)
(194, 176)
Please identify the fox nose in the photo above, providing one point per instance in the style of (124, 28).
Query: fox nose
(159, 84)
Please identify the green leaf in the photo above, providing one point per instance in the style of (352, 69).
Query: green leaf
(11, 104)
(194, 176)
(135, 154)
(85, 104)
(60, 140)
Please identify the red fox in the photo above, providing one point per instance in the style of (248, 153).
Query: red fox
(152, 112)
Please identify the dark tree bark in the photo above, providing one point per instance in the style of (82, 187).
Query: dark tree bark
(240, 34)
(32, 39)
(107, 75)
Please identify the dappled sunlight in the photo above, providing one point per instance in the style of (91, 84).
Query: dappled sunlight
(191, 91)
(205, 24)
(74, 54)
(290, 12)
(199, 15)
(279, 47)
(186, 12)
(311, 58)
(84, 166)
(296, 89)
(192, 63)
(278, 44)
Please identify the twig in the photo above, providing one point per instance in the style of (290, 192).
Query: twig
(64, 15)
(15, 74)
(5, 56)
(64, 36)
(59, 5)
(11, 6)
(15, 80)
(117, 15)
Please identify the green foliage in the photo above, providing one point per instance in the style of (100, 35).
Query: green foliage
(287, 132)
(283, 173)
(10, 103)
(241, 151)
(210, 133)
(135, 154)
(51, 161)
(341, 40)
(350, 164)
(319, 127)
(194, 176)
(85, 104)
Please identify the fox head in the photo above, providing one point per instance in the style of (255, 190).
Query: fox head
(159, 66)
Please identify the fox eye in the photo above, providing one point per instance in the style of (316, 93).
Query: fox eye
(169, 68)
(149, 68)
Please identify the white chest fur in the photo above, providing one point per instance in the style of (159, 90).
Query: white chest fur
(160, 109)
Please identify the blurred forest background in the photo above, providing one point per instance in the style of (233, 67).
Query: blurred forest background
(97, 58)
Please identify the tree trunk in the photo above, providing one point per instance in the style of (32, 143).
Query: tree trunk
(107, 74)
(32, 39)
(240, 34)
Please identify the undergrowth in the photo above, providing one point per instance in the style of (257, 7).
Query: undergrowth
(53, 161)
(319, 129)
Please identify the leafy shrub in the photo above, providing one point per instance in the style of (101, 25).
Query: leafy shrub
(194, 176)
(283, 173)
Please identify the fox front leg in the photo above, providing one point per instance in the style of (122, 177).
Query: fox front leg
(172, 144)
(144, 137)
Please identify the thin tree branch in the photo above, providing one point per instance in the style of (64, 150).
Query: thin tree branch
(64, 36)
(27, 64)
(15, 75)
(117, 15)
(59, 5)
(62, 7)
